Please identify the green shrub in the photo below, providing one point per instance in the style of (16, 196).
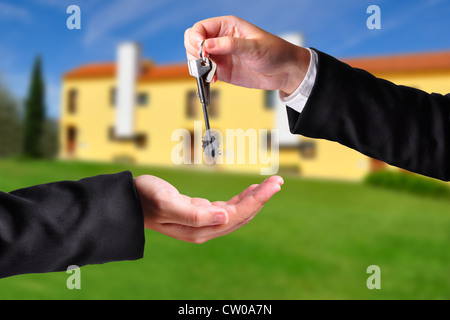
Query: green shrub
(409, 182)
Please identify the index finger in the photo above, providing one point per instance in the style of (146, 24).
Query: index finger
(263, 192)
(252, 202)
(202, 30)
(211, 28)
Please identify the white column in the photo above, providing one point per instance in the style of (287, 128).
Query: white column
(128, 66)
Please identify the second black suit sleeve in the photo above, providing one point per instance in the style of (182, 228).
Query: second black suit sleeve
(399, 125)
(50, 227)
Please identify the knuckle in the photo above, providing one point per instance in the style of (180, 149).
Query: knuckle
(194, 218)
(231, 42)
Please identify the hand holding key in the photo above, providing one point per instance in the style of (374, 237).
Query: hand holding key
(247, 55)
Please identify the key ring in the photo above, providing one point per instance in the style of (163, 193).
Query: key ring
(202, 53)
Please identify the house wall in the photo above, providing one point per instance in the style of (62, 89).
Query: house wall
(238, 108)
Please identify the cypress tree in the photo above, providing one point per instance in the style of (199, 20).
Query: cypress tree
(34, 112)
(10, 124)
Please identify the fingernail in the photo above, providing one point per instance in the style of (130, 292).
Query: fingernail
(210, 43)
(220, 218)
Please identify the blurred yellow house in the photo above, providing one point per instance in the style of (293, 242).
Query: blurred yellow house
(165, 100)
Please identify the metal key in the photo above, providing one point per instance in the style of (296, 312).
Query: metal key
(203, 70)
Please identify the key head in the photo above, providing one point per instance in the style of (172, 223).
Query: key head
(210, 145)
(203, 68)
(199, 68)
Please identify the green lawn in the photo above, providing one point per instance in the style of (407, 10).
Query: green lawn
(313, 240)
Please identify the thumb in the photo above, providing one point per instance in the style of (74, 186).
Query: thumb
(230, 45)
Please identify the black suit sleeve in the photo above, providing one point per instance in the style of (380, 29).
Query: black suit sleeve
(49, 227)
(399, 125)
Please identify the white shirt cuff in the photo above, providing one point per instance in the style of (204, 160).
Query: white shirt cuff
(297, 100)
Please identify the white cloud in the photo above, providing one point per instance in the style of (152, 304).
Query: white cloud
(173, 17)
(54, 3)
(12, 12)
(117, 14)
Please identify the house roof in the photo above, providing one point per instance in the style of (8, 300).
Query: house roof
(94, 70)
(149, 71)
(418, 62)
(431, 61)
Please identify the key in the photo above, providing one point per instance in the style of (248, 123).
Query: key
(203, 70)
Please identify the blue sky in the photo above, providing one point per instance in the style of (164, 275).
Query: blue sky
(338, 27)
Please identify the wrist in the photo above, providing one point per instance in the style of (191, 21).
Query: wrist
(296, 70)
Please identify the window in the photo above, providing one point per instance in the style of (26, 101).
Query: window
(142, 99)
(308, 149)
(111, 133)
(141, 141)
(214, 104)
(270, 97)
(267, 141)
(112, 96)
(72, 101)
(191, 104)
(71, 140)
